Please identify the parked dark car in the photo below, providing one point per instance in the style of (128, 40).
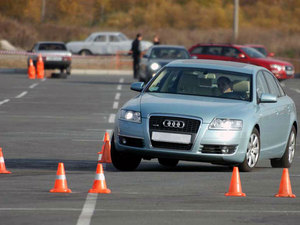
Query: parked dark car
(239, 53)
(55, 56)
(157, 56)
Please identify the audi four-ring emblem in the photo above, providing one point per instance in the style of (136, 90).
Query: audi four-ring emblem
(174, 123)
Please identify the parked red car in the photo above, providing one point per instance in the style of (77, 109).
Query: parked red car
(239, 53)
(262, 49)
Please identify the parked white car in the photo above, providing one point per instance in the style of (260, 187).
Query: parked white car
(104, 43)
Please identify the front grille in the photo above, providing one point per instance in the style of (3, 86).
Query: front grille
(191, 127)
(168, 145)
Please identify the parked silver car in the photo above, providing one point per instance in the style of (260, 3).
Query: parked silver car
(104, 43)
(207, 111)
(55, 56)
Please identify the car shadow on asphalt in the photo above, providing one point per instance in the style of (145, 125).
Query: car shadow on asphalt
(51, 164)
(100, 82)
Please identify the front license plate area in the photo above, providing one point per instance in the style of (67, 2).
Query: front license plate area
(171, 137)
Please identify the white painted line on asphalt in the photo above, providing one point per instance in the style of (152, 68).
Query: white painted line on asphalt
(111, 118)
(116, 105)
(295, 89)
(4, 101)
(22, 94)
(84, 140)
(118, 95)
(33, 85)
(119, 87)
(121, 80)
(88, 209)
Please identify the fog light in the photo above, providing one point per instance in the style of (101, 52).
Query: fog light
(225, 150)
(124, 141)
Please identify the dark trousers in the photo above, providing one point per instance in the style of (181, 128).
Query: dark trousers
(136, 67)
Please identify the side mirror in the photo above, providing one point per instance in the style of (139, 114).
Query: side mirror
(271, 54)
(267, 98)
(145, 56)
(137, 86)
(241, 56)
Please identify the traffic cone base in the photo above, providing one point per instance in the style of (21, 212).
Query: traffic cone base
(285, 188)
(60, 185)
(235, 188)
(99, 185)
(2, 164)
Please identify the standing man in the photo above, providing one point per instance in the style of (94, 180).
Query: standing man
(136, 54)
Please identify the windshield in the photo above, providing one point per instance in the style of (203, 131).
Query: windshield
(253, 53)
(52, 47)
(261, 50)
(123, 37)
(203, 82)
(169, 53)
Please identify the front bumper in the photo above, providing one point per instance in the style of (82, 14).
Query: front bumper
(206, 145)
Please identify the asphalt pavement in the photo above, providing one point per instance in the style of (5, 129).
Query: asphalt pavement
(44, 122)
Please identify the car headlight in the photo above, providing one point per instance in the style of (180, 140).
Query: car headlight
(276, 68)
(130, 115)
(154, 66)
(226, 124)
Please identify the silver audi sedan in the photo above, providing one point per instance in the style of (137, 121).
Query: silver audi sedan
(207, 111)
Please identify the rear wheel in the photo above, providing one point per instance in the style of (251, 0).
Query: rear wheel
(253, 151)
(286, 160)
(85, 52)
(168, 162)
(123, 161)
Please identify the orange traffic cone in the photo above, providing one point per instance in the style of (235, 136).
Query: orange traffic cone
(31, 70)
(106, 136)
(2, 163)
(99, 185)
(60, 181)
(235, 188)
(40, 68)
(104, 154)
(285, 189)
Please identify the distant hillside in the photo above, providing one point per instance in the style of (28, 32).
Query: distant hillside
(274, 23)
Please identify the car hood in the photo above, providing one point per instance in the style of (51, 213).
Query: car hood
(206, 108)
(272, 61)
(161, 62)
(54, 53)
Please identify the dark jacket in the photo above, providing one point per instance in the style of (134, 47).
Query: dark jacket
(135, 48)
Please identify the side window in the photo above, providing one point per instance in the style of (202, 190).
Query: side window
(231, 52)
(273, 87)
(214, 50)
(197, 50)
(100, 38)
(113, 38)
(261, 84)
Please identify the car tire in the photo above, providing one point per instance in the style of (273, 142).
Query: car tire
(85, 52)
(252, 153)
(286, 160)
(68, 70)
(123, 161)
(168, 162)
